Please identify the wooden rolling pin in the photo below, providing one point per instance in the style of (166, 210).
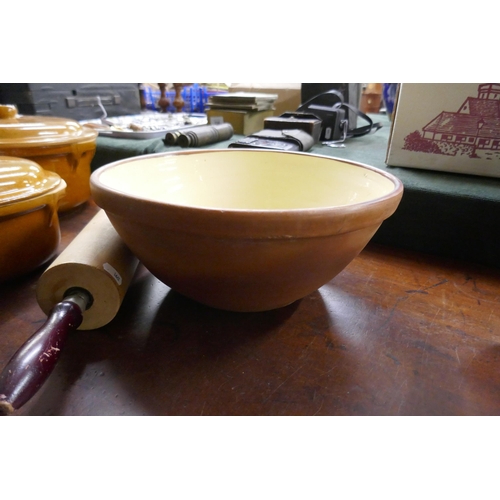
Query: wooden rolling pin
(82, 289)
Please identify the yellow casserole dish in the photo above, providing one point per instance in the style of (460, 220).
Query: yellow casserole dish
(60, 145)
(29, 222)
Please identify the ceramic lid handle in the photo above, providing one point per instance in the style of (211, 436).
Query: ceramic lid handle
(7, 111)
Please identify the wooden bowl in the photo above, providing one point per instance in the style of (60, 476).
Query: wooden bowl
(244, 230)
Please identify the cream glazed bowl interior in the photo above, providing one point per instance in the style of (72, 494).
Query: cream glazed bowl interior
(245, 230)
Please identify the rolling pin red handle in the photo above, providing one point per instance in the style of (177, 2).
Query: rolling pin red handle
(32, 364)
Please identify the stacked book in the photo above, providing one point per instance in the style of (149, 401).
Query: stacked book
(245, 111)
(243, 101)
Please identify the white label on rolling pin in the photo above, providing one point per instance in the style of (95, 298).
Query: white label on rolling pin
(111, 270)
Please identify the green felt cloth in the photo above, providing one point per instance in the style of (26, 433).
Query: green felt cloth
(446, 214)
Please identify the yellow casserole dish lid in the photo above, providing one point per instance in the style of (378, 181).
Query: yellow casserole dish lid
(31, 131)
(22, 179)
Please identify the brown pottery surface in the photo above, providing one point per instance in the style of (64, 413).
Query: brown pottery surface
(60, 145)
(29, 223)
(245, 230)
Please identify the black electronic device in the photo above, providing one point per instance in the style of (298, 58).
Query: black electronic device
(295, 120)
(330, 108)
(283, 140)
(351, 94)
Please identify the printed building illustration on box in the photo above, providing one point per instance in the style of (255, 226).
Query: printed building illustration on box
(473, 130)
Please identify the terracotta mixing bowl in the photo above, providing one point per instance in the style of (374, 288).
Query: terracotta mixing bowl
(244, 230)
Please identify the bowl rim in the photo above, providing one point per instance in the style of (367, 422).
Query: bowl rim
(232, 217)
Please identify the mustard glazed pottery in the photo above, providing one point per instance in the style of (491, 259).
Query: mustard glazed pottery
(60, 145)
(29, 221)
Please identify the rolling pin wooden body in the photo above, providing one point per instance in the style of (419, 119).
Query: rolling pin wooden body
(97, 261)
(82, 289)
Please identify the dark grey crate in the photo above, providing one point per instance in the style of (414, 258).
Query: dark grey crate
(78, 101)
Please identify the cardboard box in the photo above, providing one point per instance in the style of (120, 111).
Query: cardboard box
(243, 122)
(289, 97)
(452, 127)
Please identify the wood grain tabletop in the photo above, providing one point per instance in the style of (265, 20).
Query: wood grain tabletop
(396, 333)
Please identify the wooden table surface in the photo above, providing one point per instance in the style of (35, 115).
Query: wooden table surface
(396, 333)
